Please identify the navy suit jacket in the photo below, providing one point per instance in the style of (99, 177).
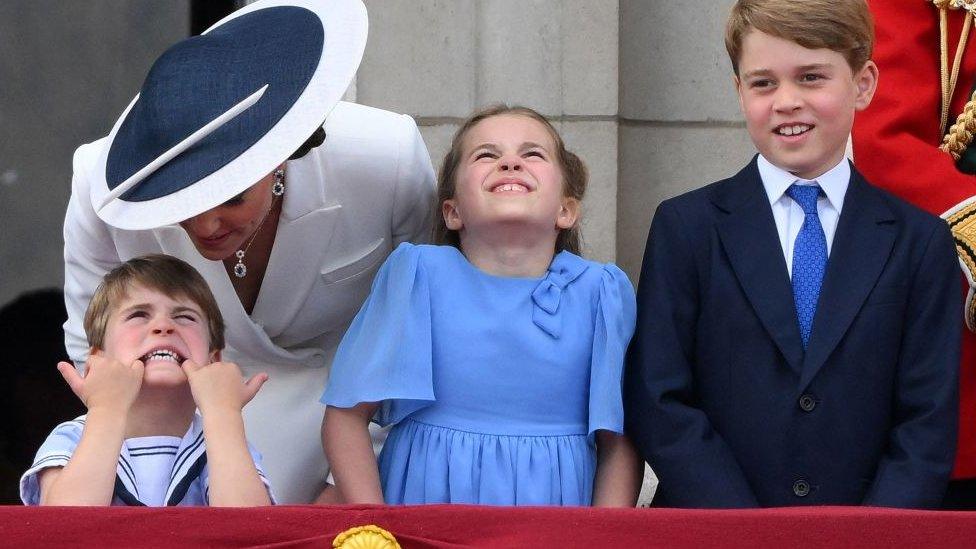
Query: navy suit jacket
(723, 401)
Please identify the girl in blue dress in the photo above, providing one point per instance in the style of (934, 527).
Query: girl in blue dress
(497, 357)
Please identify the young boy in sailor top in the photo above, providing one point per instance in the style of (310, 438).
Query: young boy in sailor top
(156, 334)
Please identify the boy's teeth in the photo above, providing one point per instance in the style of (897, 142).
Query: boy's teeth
(162, 355)
(793, 130)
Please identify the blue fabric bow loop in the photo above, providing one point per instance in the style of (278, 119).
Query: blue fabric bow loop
(564, 269)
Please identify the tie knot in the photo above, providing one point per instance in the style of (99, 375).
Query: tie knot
(805, 196)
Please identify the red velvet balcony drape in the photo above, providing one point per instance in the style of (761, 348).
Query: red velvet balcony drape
(444, 526)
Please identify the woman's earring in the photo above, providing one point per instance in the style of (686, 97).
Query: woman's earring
(278, 188)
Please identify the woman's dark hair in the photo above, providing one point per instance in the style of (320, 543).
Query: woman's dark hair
(317, 139)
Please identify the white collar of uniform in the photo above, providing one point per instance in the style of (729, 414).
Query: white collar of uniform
(834, 181)
(190, 459)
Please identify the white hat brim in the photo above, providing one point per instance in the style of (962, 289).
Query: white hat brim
(345, 26)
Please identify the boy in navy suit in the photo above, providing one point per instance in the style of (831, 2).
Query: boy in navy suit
(798, 329)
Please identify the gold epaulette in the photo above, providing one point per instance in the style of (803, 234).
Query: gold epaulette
(962, 223)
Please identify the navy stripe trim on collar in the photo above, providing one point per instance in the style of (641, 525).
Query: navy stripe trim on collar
(170, 446)
(179, 492)
(123, 494)
(185, 455)
(127, 469)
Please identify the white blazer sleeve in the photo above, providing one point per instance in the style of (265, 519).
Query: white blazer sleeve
(414, 190)
(89, 252)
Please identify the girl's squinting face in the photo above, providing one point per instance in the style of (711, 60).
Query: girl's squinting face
(161, 331)
(509, 174)
(219, 232)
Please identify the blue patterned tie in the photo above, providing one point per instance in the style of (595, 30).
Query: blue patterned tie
(809, 258)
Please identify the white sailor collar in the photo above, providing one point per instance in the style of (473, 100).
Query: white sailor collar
(191, 458)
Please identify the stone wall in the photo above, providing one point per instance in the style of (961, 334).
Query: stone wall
(67, 69)
(640, 89)
(439, 60)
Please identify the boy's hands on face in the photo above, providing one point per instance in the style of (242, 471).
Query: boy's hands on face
(221, 386)
(107, 384)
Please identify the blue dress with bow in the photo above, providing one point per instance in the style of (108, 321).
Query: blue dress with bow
(496, 385)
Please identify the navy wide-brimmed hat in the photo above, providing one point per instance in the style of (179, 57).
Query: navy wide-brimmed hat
(219, 111)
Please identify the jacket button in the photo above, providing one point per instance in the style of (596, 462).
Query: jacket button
(808, 403)
(801, 488)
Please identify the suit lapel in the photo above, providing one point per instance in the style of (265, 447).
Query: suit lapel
(861, 246)
(748, 235)
(295, 264)
(305, 231)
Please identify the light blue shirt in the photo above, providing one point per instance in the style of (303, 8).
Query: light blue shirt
(788, 215)
(186, 480)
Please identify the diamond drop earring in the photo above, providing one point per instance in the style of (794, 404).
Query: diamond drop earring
(278, 189)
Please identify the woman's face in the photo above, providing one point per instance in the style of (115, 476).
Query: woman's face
(219, 232)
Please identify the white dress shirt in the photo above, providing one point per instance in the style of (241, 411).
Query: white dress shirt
(789, 215)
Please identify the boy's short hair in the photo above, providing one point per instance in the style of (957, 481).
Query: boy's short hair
(163, 273)
(844, 26)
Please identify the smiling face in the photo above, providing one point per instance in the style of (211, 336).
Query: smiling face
(159, 330)
(219, 232)
(799, 103)
(508, 174)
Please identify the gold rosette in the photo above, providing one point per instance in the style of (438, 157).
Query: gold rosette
(365, 537)
(962, 222)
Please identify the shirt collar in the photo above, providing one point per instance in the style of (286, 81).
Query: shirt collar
(834, 181)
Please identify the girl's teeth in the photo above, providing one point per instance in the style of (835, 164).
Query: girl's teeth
(509, 187)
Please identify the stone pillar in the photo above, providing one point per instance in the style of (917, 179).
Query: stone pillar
(679, 121)
(680, 126)
(68, 69)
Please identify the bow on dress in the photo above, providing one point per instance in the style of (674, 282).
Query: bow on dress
(564, 269)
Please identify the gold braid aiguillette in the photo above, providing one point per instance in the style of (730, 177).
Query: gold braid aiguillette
(960, 135)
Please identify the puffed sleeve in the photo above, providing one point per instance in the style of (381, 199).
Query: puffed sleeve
(385, 356)
(616, 314)
(56, 451)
